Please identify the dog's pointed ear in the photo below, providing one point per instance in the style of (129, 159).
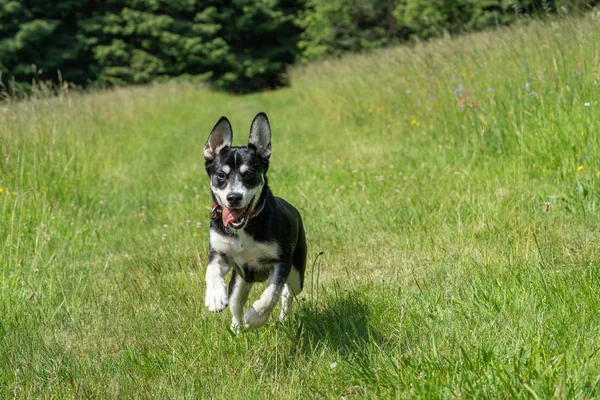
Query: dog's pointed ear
(219, 138)
(260, 135)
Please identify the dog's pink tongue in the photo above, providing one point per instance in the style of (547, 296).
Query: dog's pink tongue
(230, 215)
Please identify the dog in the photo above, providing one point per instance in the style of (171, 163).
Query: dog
(258, 235)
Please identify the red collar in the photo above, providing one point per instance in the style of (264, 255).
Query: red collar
(217, 210)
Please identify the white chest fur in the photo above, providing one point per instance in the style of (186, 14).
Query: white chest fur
(243, 249)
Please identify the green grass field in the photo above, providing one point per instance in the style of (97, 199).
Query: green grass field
(453, 188)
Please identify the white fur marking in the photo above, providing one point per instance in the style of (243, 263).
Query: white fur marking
(237, 187)
(243, 249)
(291, 290)
(293, 282)
(221, 194)
(262, 308)
(237, 300)
(226, 169)
(216, 291)
(244, 169)
(287, 301)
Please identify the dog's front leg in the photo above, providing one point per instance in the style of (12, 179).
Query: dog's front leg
(262, 308)
(216, 291)
(239, 290)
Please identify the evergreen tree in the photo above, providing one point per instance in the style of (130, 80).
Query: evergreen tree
(39, 38)
(238, 45)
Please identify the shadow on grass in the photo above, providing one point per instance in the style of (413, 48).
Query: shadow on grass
(340, 323)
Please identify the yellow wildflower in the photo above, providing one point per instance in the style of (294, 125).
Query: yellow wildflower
(337, 161)
(370, 110)
(0, 190)
(580, 168)
(418, 124)
(14, 193)
(582, 133)
(598, 174)
(413, 122)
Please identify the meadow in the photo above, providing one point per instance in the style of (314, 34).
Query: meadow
(452, 187)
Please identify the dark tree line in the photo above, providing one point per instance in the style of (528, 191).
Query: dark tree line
(236, 45)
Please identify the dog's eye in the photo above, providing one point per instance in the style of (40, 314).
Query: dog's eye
(248, 174)
(221, 175)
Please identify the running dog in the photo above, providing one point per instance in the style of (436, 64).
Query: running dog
(258, 235)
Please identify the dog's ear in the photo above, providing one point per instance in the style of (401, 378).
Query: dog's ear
(260, 136)
(219, 138)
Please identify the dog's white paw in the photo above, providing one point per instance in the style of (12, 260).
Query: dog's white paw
(287, 300)
(216, 298)
(236, 326)
(253, 319)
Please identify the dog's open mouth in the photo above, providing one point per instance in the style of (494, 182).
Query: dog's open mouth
(236, 217)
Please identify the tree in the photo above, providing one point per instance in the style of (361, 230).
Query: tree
(38, 40)
(237, 45)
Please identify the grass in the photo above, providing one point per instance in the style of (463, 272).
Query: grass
(441, 181)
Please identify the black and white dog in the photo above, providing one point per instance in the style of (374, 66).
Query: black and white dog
(257, 234)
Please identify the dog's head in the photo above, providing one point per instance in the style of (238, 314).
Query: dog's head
(238, 174)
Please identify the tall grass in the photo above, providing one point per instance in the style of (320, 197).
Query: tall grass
(453, 187)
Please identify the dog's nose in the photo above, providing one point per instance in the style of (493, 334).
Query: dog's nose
(234, 198)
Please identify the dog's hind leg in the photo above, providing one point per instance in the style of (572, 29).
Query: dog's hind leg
(287, 301)
(292, 288)
(239, 290)
(295, 281)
